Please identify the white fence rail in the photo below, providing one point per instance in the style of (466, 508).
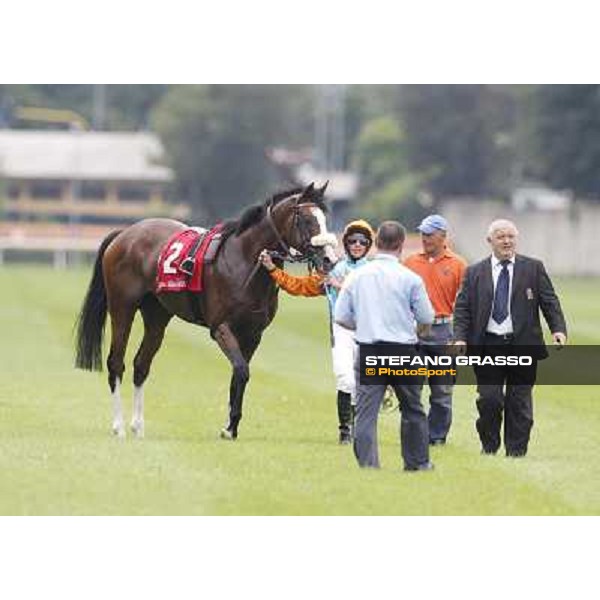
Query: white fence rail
(58, 248)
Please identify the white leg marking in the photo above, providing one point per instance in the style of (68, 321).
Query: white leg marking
(118, 426)
(137, 420)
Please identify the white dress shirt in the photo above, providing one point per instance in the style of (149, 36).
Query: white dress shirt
(506, 326)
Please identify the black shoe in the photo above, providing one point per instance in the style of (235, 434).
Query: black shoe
(428, 466)
(438, 442)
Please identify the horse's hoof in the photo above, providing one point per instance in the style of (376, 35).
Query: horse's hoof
(227, 435)
(118, 432)
(137, 429)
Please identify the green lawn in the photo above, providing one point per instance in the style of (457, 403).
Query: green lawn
(57, 457)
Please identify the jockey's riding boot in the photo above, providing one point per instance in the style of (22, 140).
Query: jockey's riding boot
(344, 406)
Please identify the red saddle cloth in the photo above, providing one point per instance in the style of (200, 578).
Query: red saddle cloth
(169, 276)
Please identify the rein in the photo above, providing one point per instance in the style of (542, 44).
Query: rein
(289, 254)
(274, 254)
(286, 248)
(299, 258)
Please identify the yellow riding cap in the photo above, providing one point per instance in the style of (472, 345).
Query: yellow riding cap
(359, 226)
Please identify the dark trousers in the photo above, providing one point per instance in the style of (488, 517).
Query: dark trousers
(414, 435)
(504, 392)
(440, 396)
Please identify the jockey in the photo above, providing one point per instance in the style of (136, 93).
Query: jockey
(357, 241)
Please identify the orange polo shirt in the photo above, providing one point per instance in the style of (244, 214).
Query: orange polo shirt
(442, 277)
(307, 285)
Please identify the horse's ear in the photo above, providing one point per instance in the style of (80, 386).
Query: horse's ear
(309, 191)
(321, 191)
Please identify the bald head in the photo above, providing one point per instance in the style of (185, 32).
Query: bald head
(502, 238)
(390, 237)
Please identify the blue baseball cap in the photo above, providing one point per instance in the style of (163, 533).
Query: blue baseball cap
(433, 223)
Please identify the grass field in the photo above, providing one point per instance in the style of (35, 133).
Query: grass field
(57, 457)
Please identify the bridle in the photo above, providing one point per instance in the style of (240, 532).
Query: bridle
(290, 254)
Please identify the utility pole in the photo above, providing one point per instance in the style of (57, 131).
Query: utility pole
(99, 107)
(330, 127)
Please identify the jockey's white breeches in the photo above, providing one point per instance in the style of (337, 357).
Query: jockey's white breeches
(344, 353)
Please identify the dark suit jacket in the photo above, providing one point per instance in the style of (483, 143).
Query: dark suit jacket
(531, 291)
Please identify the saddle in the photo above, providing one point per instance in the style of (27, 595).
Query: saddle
(207, 255)
(181, 261)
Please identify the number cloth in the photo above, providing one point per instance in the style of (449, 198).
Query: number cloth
(169, 277)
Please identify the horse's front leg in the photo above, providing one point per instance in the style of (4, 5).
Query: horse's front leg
(229, 344)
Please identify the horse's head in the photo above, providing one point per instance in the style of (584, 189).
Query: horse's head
(301, 225)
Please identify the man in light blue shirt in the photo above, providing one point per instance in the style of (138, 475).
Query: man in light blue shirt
(383, 302)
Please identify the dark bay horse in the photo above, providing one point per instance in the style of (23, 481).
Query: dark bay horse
(238, 302)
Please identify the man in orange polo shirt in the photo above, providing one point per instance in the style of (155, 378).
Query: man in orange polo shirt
(442, 272)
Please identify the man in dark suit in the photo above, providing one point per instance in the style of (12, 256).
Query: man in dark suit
(497, 308)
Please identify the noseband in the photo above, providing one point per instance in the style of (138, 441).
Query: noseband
(289, 254)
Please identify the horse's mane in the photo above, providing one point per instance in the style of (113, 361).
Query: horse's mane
(255, 214)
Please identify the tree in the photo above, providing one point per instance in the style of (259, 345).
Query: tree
(388, 187)
(216, 137)
(456, 130)
(126, 107)
(567, 130)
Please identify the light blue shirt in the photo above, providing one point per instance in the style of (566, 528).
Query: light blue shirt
(383, 301)
(341, 270)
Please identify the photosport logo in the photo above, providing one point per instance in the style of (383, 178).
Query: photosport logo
(385, 364)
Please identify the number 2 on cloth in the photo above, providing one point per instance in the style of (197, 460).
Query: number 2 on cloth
(175, 249)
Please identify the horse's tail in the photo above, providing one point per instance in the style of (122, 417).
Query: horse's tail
(91, 320)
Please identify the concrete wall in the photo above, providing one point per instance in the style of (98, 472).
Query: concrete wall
(567, 241)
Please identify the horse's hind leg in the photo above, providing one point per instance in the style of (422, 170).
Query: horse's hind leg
(121, 317)
(156, 318)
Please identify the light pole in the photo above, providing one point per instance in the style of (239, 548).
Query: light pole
(330, 127)
(99, 107)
